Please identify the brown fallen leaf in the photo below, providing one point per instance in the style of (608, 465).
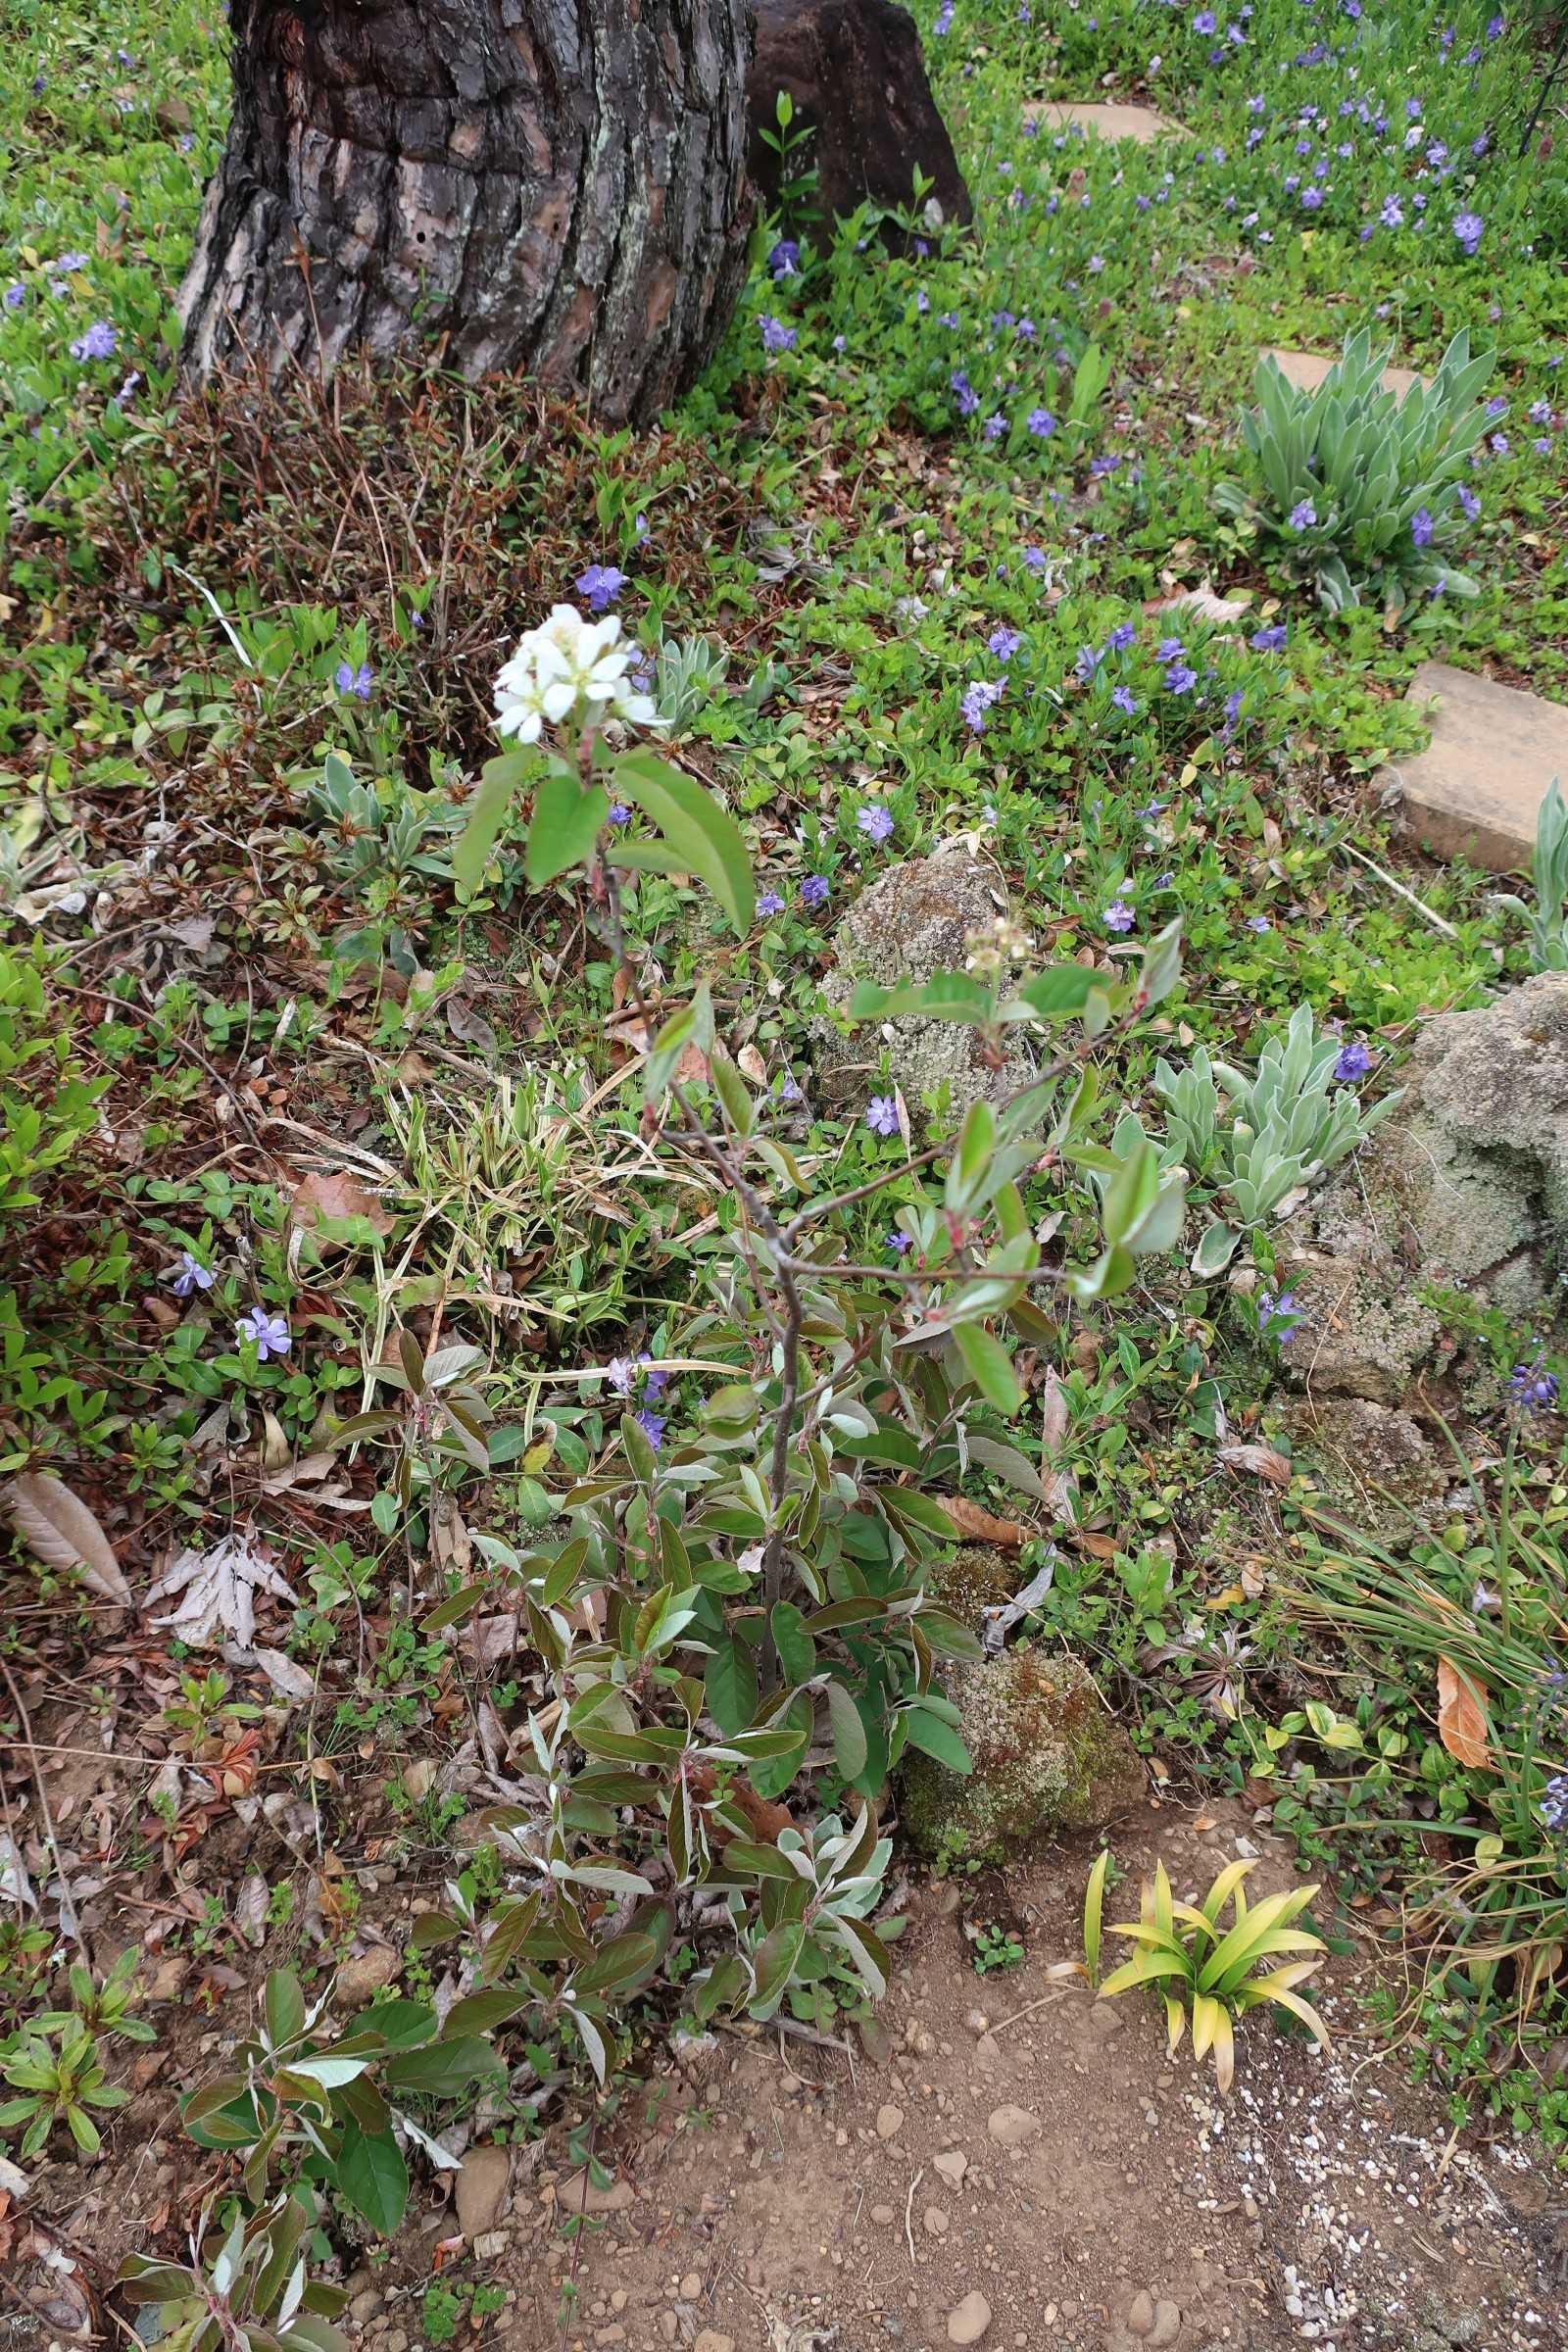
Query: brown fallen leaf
(971, 1520)
(1263, 1461)
(334, 1193)
(1462, 1724)
(63, 1532)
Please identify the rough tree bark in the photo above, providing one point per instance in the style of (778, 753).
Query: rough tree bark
(556, 185)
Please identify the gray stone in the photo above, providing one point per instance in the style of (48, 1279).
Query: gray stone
(1475, 791)
(1362, 1331)
(1047, 1756)
(1142, 123)
(916, 919)
(1306, 369)
(1370, 1460)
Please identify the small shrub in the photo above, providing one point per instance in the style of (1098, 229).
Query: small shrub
(1355, 489)
(1549, 916)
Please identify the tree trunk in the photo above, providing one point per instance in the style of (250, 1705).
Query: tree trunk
(556, 185)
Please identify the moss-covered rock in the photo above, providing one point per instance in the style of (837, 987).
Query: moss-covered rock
(971, 1580)
(1374, 1465)
(1047, 1757)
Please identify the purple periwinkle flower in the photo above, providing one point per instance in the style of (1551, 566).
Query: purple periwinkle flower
(268, 1334)
(359, 682)
(785, 259)
(619, 814)
(1118, 916)
(977, 699)
(1421, 527)
(968, 397)
(1277, 1317)
(896, 1243)
(1468, 228)
(653, 1426)
(1303, 515)
(882, 1115)
(776, 336)
(1258, 923)
(189, 1275)
(1468, 502)
(1354, 1064)
(876, 822)
(1554, 1805)
(1269, 640)
(815, 889)
(1532, 1389)
(769, 903)
(601, 584)
(15, 295)
(1169, 649)
(1179, 679)
(1040, 423)
(1004, 642)
(98, 342)
(1125, 700)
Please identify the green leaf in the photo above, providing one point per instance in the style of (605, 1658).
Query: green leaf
(1063, 988)
(797, 1651)
(283, 2007)
(729, 1685)
(936, 1738)
(773, 1963)
(849, 1731)
(564, 826)
(487, 814)
(988, 1366)
(696, 828)
(442, 2069)
(372, 2178)
(944, 996)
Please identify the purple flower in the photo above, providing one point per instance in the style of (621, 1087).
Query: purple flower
(269, 1334)
(354, 682)
(1303, 516)
(1004, 642)
(1123, 635)
(1179, 679)
(876, 821)
(896, 1244)
(653, 1426)
(1353, 1063)
(815, 889)
(188, 1276)
(968, 397)
(978, 697)
(14, 296)
(1468, 228)
(882, 1115)
(785, 259)
(1533, 1390)
(1040, 422)
(619, 814)
(1553, 1806)
(1036, 558)
(601, 584)
(620, 1372)
(1258, 923)
(944, 22)
(1125, 700)
(1118, 916)
(69, 262)
(1469, 502)
(1169, 649)
(1269, 640)
(1421, 527)
(1277, 1318)
(776, 336)
(1203, 21)
(771, 903)
(1085, 661)
(98, 343)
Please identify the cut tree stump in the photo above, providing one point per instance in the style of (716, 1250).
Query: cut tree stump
(855, 71)
(1495, 749)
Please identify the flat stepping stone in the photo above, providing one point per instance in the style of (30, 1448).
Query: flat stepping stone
(1109, 122)
(1495, 749)
(1306, 369)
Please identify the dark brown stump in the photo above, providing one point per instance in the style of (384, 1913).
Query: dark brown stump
(550, 185)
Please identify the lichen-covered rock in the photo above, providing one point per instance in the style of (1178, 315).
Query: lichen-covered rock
(1047, 1757)
(971, 1580)
(1373, 1463)
(1363, 1330)
(916, 919)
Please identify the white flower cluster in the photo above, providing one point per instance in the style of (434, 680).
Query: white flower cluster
(569, 668)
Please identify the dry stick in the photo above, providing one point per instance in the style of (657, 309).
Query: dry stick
(44, 1813)
(908, 2210)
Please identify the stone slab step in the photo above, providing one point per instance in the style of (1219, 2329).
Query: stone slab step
(1475, 791)
(1306, 369)
(1109, 121)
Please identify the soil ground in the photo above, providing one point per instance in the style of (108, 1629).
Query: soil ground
(788, 2197)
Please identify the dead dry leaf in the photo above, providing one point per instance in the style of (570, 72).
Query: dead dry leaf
(326, 1194)
(985, 1528)
(1263, 1461)
(63, 1532)
(1462, 1724)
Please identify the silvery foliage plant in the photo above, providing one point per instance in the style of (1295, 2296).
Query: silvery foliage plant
(1549, 916)
(1356, 490)
(1261, 1141)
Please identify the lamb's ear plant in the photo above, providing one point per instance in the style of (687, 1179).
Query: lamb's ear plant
(1355, 489)
(1201, 1965)
(1255, 1139)
(1548, 916)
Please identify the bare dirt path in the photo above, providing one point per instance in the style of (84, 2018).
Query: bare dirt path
(1054, 2179)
